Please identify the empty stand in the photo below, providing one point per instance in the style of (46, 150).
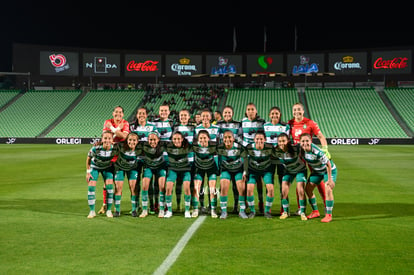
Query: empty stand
(403, 101)
(357, 112)
(30, 114)
(88, 117)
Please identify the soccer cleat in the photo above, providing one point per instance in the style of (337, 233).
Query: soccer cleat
(161, 214)
(243, 215)
(103, 209)
(187, 215)
(91, 215)
(195, 213)
(117, 214)
(134, 213)
(284, 216)
(314, 214)
(109, 214)
(303, 217)
(223, 215)
(144, 213)
(327, 218)
(213, 214)
(268, 215)
(252, 215)
(168, 215)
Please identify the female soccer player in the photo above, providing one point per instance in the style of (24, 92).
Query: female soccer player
(127, 156)
(300, 125)
(251, 124)
(179, 163)
(120, 129)
(228, 123)
(273, 129)
(142, 127)
(205, 162)
(322, 169)
(155, 164)
(231, 161)
(99, 160)
(260, 167)
(187, 130)
(213, 131)
(295, 168)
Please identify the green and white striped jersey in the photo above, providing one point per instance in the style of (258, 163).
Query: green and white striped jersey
(143, 131)
(250, 128)
(179, 159)
(187, 130)
(154, 158)
(272, 131)
(317, 160)
(231, 160)
(213, 131)
(259, 160)
(205, 158)
(164, 128)
(234, 126)
(127, 159)
(101, 158)
(291, 160)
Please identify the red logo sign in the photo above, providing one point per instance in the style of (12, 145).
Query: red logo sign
(57, 60)
(396, 63)
(147, 66)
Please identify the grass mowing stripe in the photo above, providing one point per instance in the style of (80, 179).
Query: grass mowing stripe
(172, 257)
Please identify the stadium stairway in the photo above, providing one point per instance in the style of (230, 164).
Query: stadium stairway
(400, 102)
(64, 114)
(8, 97)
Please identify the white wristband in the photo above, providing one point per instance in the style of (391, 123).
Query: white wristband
(113, 129)
(88, 171)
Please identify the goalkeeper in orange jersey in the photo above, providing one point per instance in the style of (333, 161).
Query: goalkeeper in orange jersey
(300, 125)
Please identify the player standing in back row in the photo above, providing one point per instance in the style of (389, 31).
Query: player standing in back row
(300, 125)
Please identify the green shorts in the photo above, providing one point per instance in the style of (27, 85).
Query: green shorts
(317, 178)
(159, 173)
(231, 175)
(107, 173)
(131, 175)
(255, 176)
(299, 176)
(172, 175)
(199, 174)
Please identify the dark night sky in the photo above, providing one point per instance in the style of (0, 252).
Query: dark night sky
(206, 29)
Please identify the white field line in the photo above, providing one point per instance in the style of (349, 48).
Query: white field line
(172, 257)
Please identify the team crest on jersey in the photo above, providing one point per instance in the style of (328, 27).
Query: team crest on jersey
(304, 126)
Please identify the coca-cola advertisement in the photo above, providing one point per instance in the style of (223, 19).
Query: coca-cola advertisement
(392, 62)
(142, 65)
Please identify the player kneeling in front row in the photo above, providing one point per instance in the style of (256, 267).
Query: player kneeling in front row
(99, 161)
(231, 155)
(205, 161)
(155, 164)
(290, 156)
(180, 161)
(322, 169)
(260, 166)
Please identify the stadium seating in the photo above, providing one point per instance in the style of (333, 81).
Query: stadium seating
(88, 117)
(351, 113)
(7, 95)
(264, 99)
(34, 111)
(403, 101)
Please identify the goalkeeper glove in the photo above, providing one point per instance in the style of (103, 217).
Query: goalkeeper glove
(325, 150)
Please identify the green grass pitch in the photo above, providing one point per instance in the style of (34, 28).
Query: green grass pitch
(44, 229)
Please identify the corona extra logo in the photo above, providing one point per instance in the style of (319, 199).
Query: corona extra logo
(348, 59)
(184, 61)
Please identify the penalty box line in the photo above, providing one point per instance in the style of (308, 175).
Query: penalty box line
(179, 247)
